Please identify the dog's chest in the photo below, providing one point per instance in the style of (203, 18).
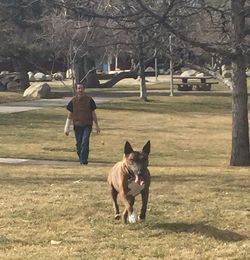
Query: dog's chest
(134, 188)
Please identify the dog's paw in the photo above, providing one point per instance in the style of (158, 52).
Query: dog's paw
(141, 219)
(132, 218)
(117, 216)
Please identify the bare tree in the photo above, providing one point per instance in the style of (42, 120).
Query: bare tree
(115, 23)
(16, 31)
(217, 28)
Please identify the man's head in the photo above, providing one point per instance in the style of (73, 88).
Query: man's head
(80, 89)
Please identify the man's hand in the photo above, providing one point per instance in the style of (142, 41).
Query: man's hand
(98, 130)
(67, 126)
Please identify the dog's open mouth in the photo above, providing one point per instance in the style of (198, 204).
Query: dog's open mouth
(139, 180)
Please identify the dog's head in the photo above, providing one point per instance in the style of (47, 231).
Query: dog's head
(137, 161)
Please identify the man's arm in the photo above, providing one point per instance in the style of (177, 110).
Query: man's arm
(68, 123)
(98, 130)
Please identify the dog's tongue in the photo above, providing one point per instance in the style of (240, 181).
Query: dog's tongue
(139, 180)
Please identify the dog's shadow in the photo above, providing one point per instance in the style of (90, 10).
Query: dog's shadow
(202, 229)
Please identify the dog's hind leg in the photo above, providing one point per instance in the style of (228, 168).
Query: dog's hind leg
(114, 194)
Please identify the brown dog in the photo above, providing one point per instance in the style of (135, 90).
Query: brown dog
(128, 178)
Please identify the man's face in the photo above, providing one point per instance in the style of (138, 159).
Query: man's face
(80, 89)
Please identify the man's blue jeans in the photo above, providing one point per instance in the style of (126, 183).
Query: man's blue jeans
(82, 135)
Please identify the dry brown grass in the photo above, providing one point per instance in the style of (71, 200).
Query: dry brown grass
(198, 207)
(194, 213)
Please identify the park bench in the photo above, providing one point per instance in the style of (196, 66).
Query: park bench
(194, 83)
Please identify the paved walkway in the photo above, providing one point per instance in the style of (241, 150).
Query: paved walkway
(22, 106)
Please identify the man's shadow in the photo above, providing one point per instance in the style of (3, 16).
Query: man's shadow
(202, 229)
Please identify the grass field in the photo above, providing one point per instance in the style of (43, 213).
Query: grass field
(198, 207)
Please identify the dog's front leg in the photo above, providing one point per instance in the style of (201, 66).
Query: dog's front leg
(114, 194)
(128, 203)
(144, 197)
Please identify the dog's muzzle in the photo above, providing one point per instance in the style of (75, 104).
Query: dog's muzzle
(139, 179)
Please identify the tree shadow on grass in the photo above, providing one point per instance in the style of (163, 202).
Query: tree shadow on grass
(8, 243)
(47, 180)
(202, 229)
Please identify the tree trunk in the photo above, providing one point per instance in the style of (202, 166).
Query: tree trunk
(84, 68)
(91, 80)
(240, 129)
(20, 66)
(123, 75)
(143, 89)
(79, 70)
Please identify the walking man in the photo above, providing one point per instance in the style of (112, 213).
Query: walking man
(82, 112)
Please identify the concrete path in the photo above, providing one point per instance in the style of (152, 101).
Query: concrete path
(22, 106)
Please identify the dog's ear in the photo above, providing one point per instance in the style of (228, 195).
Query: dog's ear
(146, 148)
(128, 148)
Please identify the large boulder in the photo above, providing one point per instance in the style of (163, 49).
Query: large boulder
(4, 72)
(10, 81)
(13, 86)
(188, 73)
(58, 76)
(5, 80)
(39, 76)
(40, 90)
(31, 76)
(48, 77)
